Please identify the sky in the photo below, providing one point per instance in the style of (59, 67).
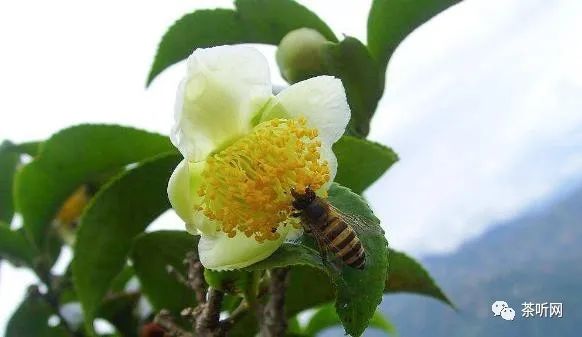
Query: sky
(483, 104)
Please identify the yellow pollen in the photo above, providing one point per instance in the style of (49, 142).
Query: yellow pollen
(246, 187)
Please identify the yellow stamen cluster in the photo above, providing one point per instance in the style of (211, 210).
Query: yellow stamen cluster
(247, 185)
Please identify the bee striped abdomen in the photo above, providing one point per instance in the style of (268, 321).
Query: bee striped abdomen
(344, 242)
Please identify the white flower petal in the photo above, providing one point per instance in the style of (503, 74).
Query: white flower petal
(223, 90)
(327, 154)
(321, 100)
(183, 196)
(219, 252)
(179, 192)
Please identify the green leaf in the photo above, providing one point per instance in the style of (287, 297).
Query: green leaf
(29, 148)
(9, 161)
(31, 320)
(391, 21)
(119, 212)
(14, 247)
(120, 281)
(361, 162)
(407, 275)
(71, 158)
(151, 254)
(326, 317)
(268, 21)
(350, 61)
(229, 281)
(354, 306)
(254, 21)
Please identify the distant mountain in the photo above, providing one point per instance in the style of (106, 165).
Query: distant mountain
(535, 258)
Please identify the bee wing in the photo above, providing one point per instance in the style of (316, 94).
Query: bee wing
(359, 223)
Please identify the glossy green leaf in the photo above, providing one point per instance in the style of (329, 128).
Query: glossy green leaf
(407, 275)
(71, 158)
(14, 247)
(391, 21)
(119, 212)
(31, 320)
(361, 162)
(9, 161)
(151, 254)
(268, 21)
(354, 306)
(350, 61)
(253, 21)
(326, 317)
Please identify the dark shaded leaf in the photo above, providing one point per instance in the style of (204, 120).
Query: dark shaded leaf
(120, 310)
(72, 157)
(151, 254)
(326, 317)
(120, 281)
(361, 162)
(391, 21)
(14, 247)
(407, 275)
(31, 320)
(28, 148)
(350, 61)
(119, 212)
(254, 21)
(9, 161)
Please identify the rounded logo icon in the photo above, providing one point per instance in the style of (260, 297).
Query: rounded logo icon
(498, 306)
(508, 314)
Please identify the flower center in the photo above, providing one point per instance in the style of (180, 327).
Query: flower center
(246, 186)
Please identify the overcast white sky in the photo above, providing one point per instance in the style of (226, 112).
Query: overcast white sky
(483, 104)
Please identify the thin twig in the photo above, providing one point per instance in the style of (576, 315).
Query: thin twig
(165, 320)
(274, 322)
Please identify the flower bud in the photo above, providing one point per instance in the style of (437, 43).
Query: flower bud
(300, 55)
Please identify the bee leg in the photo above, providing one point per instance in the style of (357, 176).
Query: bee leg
(322, 250)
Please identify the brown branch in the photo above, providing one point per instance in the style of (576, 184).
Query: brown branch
(207, 322)
(165, 320)
(273, 321)
(196, 276)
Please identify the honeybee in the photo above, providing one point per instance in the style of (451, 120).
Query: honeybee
(331, 228)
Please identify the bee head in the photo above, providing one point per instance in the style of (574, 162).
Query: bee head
(302, 200)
